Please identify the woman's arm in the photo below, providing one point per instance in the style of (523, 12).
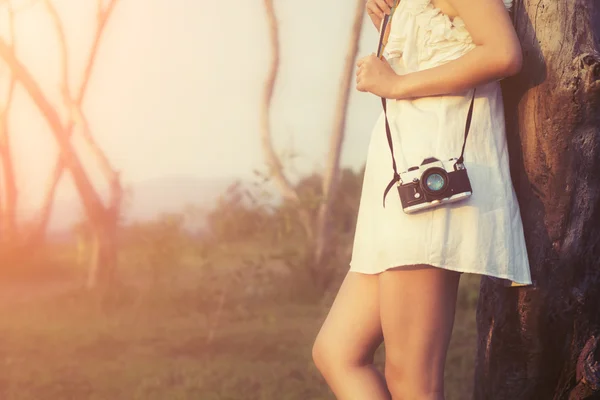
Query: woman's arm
(497, 54)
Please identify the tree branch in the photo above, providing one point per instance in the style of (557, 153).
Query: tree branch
(90, 198)
(75, 105)
(78, 116)
(107, 169)
(103, 18)
(62, 43)
(43, 218)
(24, 5)
(74, 109)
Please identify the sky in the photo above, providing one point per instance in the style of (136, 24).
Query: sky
(177, 86)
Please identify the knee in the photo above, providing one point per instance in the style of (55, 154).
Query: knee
(331, 358)
(323, 355)
(395, 377)
(318, 354)
(406, 381)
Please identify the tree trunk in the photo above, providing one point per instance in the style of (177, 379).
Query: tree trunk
(276, 170)
(324, 251)
(8, 187)
(8, 183)
(541, 342)
(318, 240)
(103, 259)
(37, 235)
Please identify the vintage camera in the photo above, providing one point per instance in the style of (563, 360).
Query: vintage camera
(432, 184)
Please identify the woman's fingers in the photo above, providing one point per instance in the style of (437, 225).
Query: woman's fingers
(384, 6)
(360, 63)
(359, 86)
(373, 9)
(379, 7)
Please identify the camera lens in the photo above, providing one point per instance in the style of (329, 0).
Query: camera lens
(435, 182)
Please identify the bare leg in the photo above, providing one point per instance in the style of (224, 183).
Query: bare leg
(344, 348)
(417, 304)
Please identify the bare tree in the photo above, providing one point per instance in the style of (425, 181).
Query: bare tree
(103, 219)
(331, 173)
(317, 228)
(77, 117)
(273, 162)
(542, 342)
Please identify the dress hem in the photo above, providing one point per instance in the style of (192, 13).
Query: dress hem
(508, 281)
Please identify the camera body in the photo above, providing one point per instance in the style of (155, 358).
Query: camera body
(432, 184)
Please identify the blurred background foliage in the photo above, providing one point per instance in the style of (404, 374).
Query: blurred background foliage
(224, 310)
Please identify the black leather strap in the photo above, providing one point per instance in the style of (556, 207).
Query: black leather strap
(467, 126)
(396, 178)
(380, 48)
(388, 133)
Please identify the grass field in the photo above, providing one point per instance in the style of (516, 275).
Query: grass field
(171, 342)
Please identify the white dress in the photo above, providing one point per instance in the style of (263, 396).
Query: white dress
(483, 234)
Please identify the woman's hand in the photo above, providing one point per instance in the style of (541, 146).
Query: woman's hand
(376, 9)
(376, 76)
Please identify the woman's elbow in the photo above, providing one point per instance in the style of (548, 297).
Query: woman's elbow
(510, 62)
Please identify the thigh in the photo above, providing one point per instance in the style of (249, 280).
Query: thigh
(352, 330)
(417, 315)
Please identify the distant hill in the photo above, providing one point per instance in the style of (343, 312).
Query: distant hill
(150, 198)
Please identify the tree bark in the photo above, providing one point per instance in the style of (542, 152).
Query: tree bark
(541, 342)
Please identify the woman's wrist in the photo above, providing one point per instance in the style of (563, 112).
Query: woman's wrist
(400, 87)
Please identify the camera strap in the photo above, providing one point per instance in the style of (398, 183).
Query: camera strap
(397, 179)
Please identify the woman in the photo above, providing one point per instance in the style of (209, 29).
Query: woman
(402, 284)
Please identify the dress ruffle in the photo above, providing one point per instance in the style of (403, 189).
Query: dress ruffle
(438, 38)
